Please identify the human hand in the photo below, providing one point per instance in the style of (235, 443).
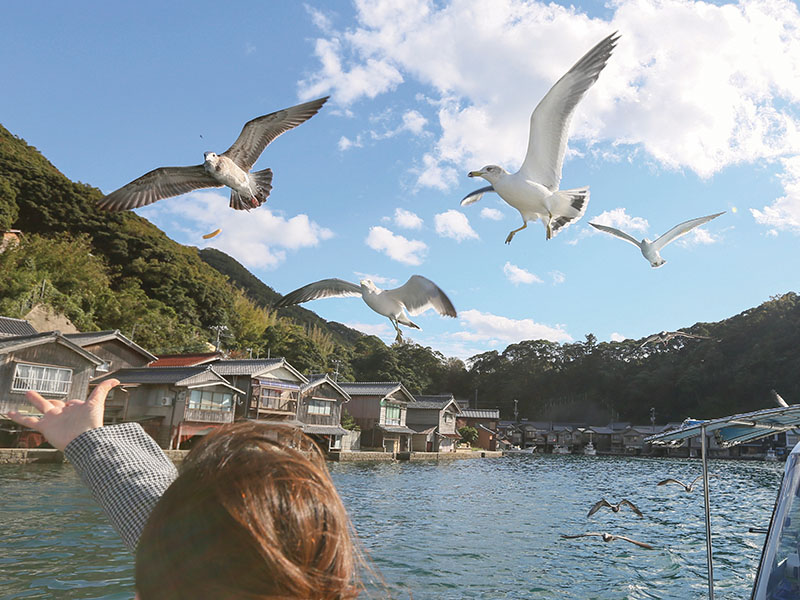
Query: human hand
(61, 422)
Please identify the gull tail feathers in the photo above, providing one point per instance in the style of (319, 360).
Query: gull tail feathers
(567, 207)
(263, 182)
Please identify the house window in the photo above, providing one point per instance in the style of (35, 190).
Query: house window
(448, 417)
(47, 380)
(320, 407)
(208, 400)
(277, 399)
(393, 415)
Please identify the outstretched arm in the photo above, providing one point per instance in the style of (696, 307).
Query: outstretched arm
(123, 466)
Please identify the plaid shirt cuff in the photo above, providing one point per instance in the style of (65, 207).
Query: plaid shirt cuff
(126, 471)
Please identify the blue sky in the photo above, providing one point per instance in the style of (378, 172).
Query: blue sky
(697, 112)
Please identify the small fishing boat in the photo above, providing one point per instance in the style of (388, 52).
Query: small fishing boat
(518, 450)
(770, 455)
(589, 450)
(559, 449)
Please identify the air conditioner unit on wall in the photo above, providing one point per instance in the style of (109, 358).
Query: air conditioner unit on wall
(166, 401)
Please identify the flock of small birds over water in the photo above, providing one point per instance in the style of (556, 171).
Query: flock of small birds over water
(533, 190)
(617, 508)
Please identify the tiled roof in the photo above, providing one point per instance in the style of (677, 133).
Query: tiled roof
(185, 360)
(443, 398)
(245, 366)
(14, 327)
(429, 404)
(422, 428)
(183, 376)
(10, 344)
(480, 413)
(396, 429)
(369, 388)
(318, 379)
(95, 337)
(324, 429)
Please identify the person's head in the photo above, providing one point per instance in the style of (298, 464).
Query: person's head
(253, 514)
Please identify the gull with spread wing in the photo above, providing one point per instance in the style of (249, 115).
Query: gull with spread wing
(650, 250)
(416, 295)
(533, 190)
(615, 507)
(607, 537)
(688, 488)
(665, 336)
(231, 168)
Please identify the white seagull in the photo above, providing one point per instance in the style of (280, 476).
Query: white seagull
(607, 537)
(231, 168)
(666, 336)
(650, 250)
(416, 295)
(615, 507)
(533, 190)
(687, 488)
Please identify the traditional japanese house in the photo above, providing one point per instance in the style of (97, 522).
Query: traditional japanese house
(510, 433)
(115, 350)
(47, 363)
(320, 411)
(433, 418)
(599, 436)
(271, 388)
(10, 327)
(488, 417)
(380, 408)
(173, 404)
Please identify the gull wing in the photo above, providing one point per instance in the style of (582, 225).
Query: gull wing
(418, 294)
(696, 479)
(603, 502)
(325, 288)
(620, 234)
(473, 197)
(632, 506)
(632, 541)
(158, 184)
(572, 537)
(778, 399)
(670, 480)
(682, 229)
(550, 119)
(259, 132)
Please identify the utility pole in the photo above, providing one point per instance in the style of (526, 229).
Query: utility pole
(219, 329)
(337, 362)
(516, 412)
(653, 419)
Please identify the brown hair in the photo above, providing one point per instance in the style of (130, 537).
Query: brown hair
(253, 515)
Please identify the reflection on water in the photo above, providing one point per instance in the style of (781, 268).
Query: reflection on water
(468, 529)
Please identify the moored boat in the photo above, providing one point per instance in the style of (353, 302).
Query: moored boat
(589, 449)
(559, 449)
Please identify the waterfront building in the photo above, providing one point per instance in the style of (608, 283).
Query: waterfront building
(433, 418)
(114, 349)
(320, 412)
(379, 409)
(487, 418)
(172, 404)
(47, 363)
(509, 433)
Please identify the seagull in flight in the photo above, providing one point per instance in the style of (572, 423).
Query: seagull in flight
(607, 537)
(614, 507)
(533, 190)
(416, 295)
(231, 168)
(689, 488)
(650, 250)
(666, 336)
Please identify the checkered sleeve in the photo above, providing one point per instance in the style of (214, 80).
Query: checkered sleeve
(126, 471)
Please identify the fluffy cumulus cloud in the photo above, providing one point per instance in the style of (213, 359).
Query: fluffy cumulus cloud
(494, 329)
(396, 247)
(407, 219)
(619, 219)
(257, 239)
(455, 225)
(617, 337)
(723, 88)
(517, 275)
(491, 213)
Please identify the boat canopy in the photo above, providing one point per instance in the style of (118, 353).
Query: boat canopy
(735, 429)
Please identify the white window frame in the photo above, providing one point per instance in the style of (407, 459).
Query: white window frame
(393, 420)
(48, 384)
(320, 406)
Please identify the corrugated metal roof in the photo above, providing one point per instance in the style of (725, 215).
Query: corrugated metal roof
(10, 327)
(480, 413)
(185, 360)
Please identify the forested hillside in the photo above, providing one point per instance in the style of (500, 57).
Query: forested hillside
(118, 271)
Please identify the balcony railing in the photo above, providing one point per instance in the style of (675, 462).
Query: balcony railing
(274, 405)
(208, 416)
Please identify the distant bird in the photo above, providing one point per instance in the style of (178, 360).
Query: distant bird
(607, 537)
(650, 250)
(780, 401)
(416, 295)
(688, 488)
(533, 190)
(231, 168)
(614, 507)
(666, 336)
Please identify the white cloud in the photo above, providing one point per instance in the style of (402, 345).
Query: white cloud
(698, 237)
(345, 143)
(619, 219)
(455, 225)
(257, 239)
(406, 219)
(487, 327)
(722, 88)
(396, 247)
(617, 337)
(414, 122)
(784, 213)
(380, 280)
(517, 275)
(558, 277)
(491, 213)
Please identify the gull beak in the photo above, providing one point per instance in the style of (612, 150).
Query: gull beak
(474, 173)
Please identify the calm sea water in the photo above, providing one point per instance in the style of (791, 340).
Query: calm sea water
(467, 529)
